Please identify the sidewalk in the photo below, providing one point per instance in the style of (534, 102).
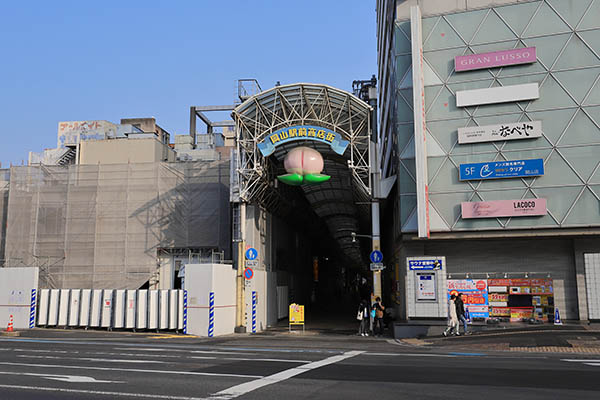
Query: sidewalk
(434, 328)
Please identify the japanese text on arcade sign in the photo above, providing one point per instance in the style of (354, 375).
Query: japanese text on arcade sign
(425, 264)
(502, 169)
(302, 132)
(474, 295)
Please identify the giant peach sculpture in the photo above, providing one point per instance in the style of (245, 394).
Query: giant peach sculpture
(303, 166)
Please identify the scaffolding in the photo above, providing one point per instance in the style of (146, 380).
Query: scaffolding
(102, 226)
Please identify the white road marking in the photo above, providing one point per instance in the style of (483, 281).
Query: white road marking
(252, 359)
(64, 378)
(45, 357)
(265, 359)
(410, 355)
(154, 371)
(183, 351)
(119, 360)
(581, 360)
(247, 387)
(134, 355)
(100, 393)
(220, 352)
(98, 359)
(47, 351)
(584, 361)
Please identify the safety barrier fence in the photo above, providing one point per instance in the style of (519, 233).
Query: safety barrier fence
(113, 309)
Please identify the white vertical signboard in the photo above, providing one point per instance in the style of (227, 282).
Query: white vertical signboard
(419, 122)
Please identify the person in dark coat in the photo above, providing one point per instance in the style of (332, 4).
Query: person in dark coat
(363, 311)
(378, 321)
(460, 313)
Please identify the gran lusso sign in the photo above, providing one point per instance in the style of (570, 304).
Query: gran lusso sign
(303, 132)
(495, 59)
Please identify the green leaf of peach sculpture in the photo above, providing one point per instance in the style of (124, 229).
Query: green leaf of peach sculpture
(304, 166)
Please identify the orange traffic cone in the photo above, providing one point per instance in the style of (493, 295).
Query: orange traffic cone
(10, 324)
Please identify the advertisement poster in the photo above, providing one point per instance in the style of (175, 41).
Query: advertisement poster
(475, 295)
(500, 312)
(426, 289)
(520, 314)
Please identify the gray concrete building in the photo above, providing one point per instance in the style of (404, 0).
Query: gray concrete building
(454, 78)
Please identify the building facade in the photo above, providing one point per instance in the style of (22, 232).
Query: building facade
(509, 90)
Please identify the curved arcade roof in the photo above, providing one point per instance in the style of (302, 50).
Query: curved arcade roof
(340, 202)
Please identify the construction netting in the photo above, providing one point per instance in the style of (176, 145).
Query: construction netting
(101, 226)
(4, 185)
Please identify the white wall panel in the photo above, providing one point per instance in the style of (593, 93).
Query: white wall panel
(502, 94)
(74, 307)
(85, 307)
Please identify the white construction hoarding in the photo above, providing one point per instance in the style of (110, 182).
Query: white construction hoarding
(18, 296)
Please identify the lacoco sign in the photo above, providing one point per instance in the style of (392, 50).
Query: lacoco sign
(503, 208)
(495, 59)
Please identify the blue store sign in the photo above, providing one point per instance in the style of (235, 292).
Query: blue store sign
(501, 169)
(425, 264)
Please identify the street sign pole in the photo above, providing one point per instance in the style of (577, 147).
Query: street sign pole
(376, 246)
(240, 325)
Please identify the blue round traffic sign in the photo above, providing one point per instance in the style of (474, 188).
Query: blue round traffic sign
(376, 256)
(248, 273)
(251, 254)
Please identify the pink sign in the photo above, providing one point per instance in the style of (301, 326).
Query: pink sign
(503, 208)
(495, 59)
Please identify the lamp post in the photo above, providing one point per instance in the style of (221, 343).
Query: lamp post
(376, 246)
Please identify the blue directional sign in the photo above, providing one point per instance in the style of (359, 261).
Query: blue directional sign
(251, 254)
(376, 256)
(502, 169)
(423, 264)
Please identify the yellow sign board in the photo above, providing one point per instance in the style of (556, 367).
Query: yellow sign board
(296, 314)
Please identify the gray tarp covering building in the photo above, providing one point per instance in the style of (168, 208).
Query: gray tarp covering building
(101, 226)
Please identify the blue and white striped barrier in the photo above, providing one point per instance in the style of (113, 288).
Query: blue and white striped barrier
(32, 308)
(185, 312)
(253, 312)
(211, 314)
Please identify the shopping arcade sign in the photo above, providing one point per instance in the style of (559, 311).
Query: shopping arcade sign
(302, 132)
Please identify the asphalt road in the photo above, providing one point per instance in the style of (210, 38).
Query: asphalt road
(91, 366)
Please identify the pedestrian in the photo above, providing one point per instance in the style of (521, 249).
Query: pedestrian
(363, 316)
(460, 313)
(452, 318)
(378, 321)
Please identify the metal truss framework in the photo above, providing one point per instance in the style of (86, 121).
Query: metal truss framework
(309, 104)
(299, 104)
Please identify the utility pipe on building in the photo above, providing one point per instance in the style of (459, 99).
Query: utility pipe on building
(240, 323)
(376, 184)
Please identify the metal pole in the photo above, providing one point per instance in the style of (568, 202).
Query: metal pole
(376, 176)
(376, 244)
(240, 326)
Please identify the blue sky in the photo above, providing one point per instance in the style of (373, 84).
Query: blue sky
(84, 60)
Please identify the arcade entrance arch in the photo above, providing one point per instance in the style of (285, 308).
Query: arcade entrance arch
(339, 126)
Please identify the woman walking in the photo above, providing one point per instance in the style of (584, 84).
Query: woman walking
(363, 316)
(452, 317)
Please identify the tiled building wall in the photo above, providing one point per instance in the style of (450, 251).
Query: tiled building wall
(566, 34)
